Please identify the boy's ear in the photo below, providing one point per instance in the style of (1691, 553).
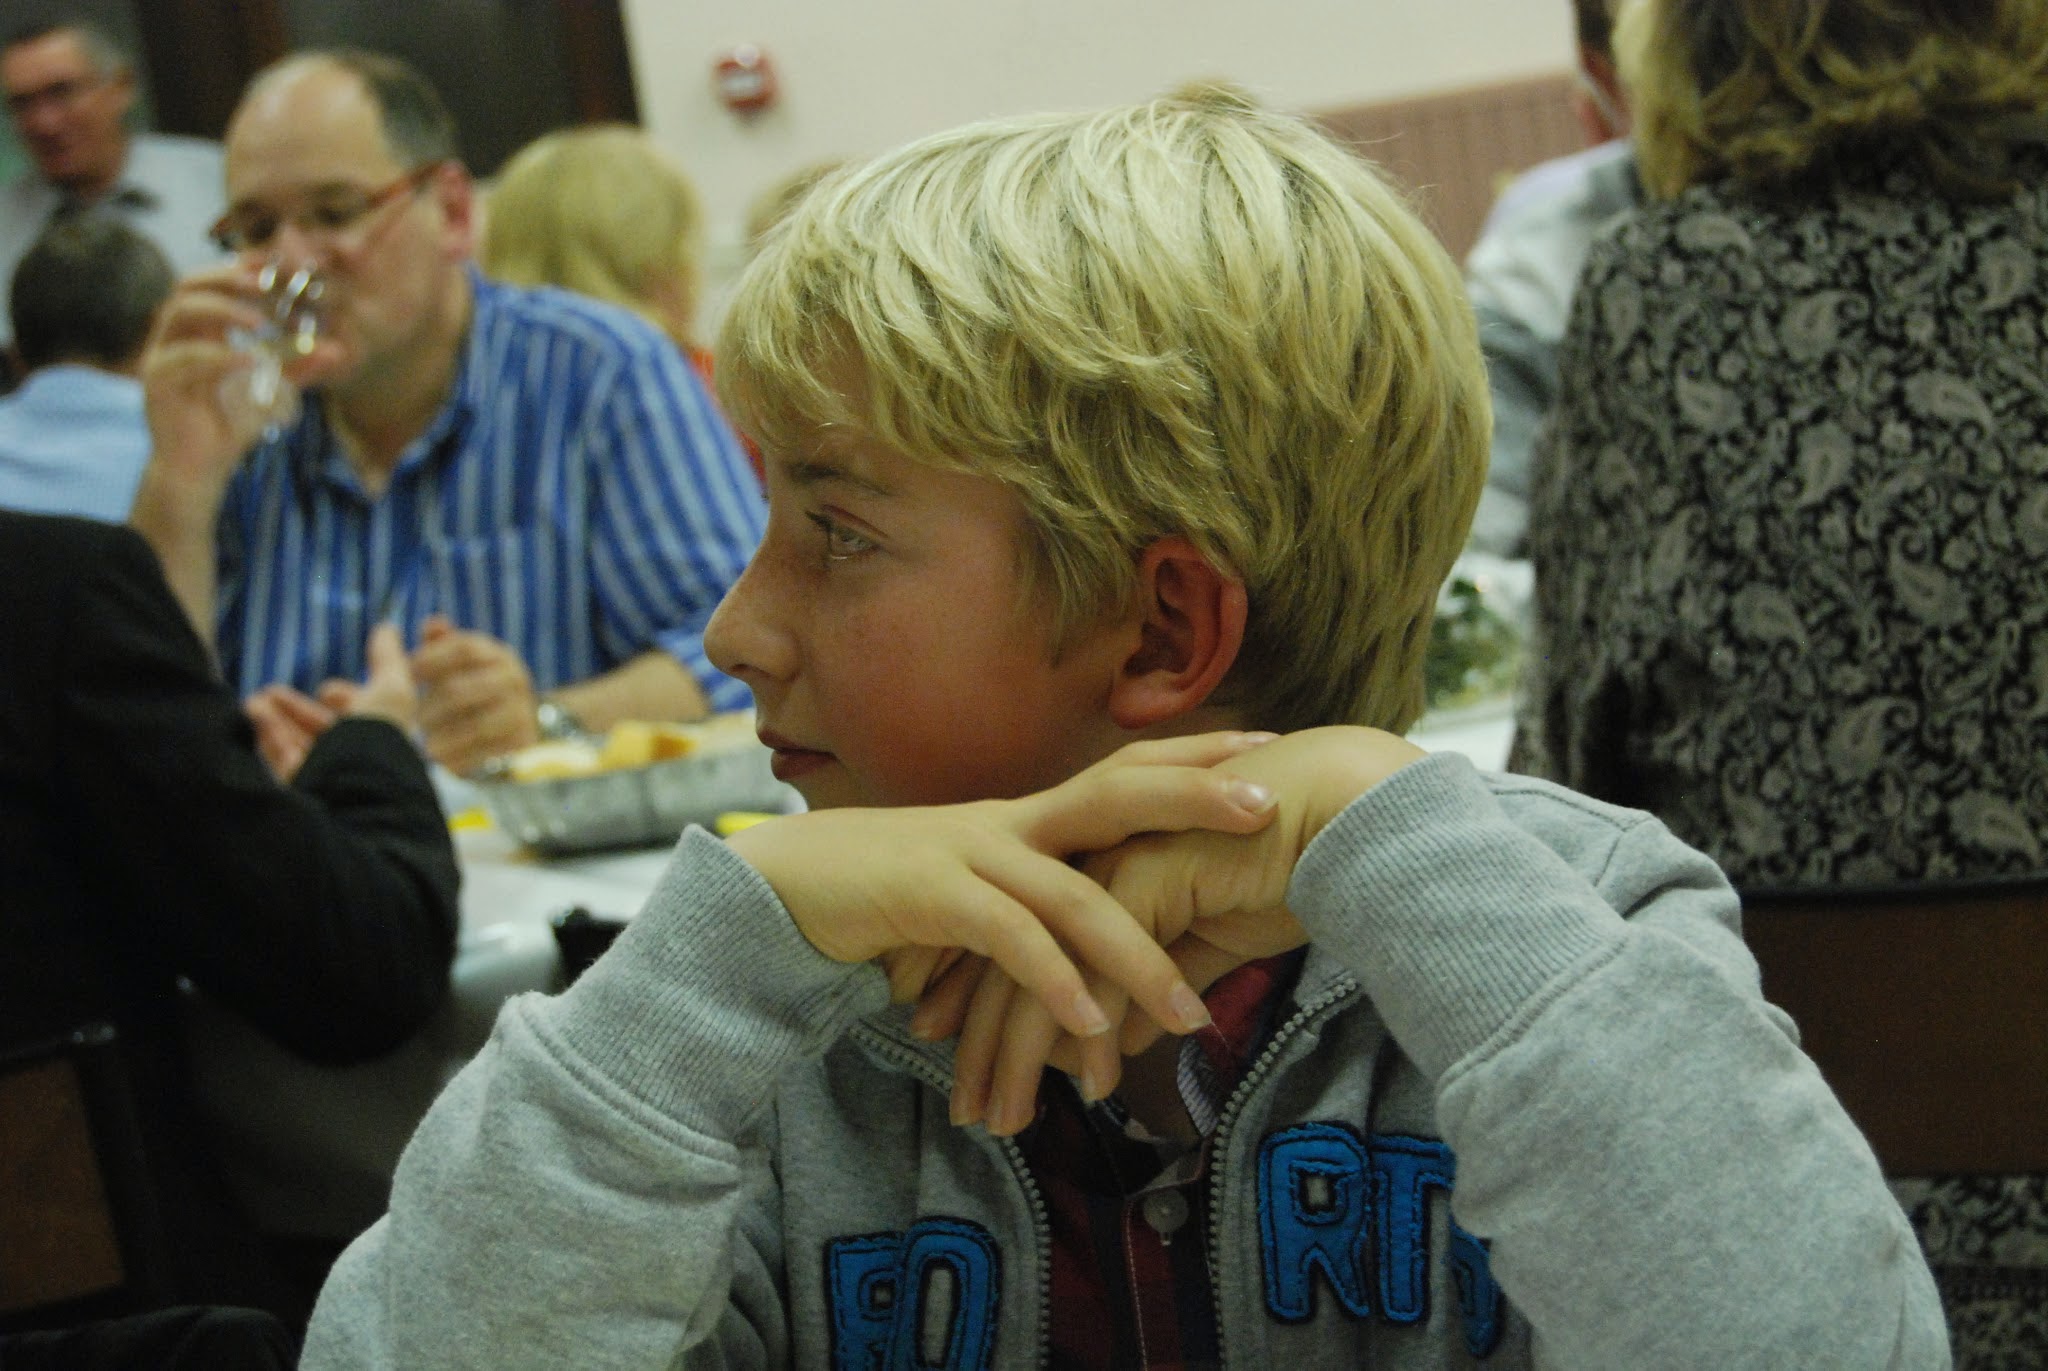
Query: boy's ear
(1190, 622)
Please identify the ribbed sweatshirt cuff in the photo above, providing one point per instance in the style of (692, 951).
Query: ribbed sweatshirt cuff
(1454, 920)
(709, 995)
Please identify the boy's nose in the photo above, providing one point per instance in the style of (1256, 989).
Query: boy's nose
(748, 638)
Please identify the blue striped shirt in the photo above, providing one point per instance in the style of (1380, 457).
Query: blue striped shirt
(578, 496)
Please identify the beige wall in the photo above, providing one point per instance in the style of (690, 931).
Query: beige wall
(858, 77)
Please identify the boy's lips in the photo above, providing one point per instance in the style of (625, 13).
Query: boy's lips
(792, 759)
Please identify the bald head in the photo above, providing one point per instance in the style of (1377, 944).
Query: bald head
(410, 117)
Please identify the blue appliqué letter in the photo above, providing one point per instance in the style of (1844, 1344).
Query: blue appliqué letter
(921, 1299)
(1357, 1210)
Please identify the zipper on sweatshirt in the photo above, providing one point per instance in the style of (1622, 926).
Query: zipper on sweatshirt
(1340, 988)
(1041, 1225)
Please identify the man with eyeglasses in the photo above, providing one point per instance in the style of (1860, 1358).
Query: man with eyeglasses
(534, 486)
(69, 90)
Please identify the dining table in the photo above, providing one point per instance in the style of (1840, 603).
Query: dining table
(311, 1149)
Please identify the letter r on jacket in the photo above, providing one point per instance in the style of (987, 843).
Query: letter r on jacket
(1357, 1211)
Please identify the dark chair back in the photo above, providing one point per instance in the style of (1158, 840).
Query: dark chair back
(581, 937)
(1926, 1008)
(78, 1233)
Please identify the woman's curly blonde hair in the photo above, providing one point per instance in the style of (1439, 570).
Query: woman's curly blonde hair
(1772, 92)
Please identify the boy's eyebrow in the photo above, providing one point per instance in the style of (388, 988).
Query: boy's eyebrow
(806, 473)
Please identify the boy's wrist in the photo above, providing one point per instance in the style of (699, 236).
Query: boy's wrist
(1357, 761)
(1319, 772)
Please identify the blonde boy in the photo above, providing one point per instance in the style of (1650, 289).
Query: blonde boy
(1094, 442)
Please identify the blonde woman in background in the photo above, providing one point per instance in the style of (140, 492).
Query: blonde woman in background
(600, 210)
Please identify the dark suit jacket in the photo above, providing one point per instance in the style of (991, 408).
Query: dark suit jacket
(143, 840)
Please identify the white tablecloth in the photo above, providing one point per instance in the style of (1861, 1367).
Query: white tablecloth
(311, 1149)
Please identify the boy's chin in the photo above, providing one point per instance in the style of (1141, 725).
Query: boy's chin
(834, 787)
(830, 787)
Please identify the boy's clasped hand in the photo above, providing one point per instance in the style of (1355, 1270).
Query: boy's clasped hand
(1034, 928)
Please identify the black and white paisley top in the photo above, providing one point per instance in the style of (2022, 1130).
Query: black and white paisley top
(1790, 534)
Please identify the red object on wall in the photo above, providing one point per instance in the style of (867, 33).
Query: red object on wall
(746, 79)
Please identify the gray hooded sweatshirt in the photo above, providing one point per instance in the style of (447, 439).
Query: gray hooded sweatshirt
(1525, 1107)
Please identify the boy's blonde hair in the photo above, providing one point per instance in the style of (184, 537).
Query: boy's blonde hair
(1777, 92)
(773, 204)
(599, 210)
(1189, 317)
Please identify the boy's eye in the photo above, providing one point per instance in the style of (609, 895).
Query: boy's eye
(841, 542)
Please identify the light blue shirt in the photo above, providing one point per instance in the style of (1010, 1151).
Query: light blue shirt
(73, 441)
(1520, 277)
(578, 496)
(171, 191)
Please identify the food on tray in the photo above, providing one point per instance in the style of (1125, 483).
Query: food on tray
(630, 743)
(635, 742)
(552, 761)
(640, 783)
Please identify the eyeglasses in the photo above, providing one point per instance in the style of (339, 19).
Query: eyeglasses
(329, 213)
(63, 94)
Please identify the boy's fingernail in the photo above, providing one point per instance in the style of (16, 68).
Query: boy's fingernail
(1251, 795)
(1188, 1010)
(1089, 1015)
(1256, 739)
(992, 1117)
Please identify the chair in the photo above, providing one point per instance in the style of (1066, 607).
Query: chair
(582, 937)
(1453, 149)
(78, 1234)
(187, 1338)
(1926, 1008)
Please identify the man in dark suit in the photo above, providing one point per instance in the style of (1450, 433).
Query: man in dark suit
(143, 840)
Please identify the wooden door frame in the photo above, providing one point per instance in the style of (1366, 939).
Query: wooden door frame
(201, 53)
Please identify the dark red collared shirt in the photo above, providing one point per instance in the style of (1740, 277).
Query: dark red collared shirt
(1131, 1284)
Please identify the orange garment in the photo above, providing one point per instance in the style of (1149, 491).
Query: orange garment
(700, 358)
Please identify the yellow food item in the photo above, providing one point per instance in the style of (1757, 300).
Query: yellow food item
(553, 761)
(736, 820)
(629, 744)
(672, 741)
(635, 742)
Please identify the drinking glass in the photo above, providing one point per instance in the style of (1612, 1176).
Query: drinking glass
(288, 330)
